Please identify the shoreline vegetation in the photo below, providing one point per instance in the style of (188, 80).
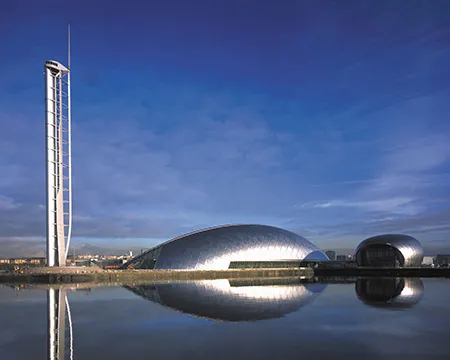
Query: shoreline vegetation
(74, 275)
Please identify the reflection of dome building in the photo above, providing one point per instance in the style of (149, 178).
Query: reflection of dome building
(232, 300)
(391, 250)
(390, 292)
(215, 248)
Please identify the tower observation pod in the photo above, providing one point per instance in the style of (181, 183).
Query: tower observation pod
(58, 161)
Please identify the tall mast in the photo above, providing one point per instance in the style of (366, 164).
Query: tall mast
(68, 46)
(58, 160)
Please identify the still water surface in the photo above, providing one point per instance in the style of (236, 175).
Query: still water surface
(230, 319)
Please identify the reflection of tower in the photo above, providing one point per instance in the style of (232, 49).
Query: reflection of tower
(57, 305)
(58, 161)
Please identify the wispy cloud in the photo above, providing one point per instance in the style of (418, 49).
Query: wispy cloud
(130, 181)
(400, 205)
(222, 164)
(7, 203)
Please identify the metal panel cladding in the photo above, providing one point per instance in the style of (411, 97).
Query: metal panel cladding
(215, 248)
(409, 247)
(390, 293)
(232, 300)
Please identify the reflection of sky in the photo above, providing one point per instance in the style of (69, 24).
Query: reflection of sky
(335, 325)
(171, 321)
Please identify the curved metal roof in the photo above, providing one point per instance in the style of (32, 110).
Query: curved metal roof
(409, 247)
(214, 248)
(55, 65)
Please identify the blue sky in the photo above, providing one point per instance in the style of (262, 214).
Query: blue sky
(327, 118)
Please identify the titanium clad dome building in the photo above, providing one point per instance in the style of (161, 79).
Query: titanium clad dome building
(214, 249)
(390, 250)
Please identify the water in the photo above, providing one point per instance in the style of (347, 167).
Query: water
(221, 319)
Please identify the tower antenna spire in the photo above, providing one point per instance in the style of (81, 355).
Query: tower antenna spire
(68, 46)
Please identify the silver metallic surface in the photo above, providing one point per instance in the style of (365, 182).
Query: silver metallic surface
(410, 249)
(390, 293)
(228, 300)
(58, 304)
(58, 162)
(215, 248)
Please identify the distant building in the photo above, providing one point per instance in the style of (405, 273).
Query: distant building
(110, 263)
(36, 261)
(428, 260)
(442, 259)
(341, 258)
(331, 254)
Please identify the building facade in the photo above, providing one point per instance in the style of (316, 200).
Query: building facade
(215, 248)
(390, 250)
(442, 259)
(428, 260)
(36, 261)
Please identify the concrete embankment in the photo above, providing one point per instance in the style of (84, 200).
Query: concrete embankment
(382, 272)
(84, 275)
(72, 275)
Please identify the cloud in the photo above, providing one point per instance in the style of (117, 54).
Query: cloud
(181, 170)
(401, 186)
(406, 166)
(409, 165)
(430, 228)
(392, 205)
(426, 152)
(220, 165)
(7, 203)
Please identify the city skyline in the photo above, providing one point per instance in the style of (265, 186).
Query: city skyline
(325, 119)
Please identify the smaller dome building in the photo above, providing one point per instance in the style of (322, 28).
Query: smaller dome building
(390, 250)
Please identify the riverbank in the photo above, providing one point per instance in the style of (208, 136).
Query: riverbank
(383, 272)
(85, 275)
(79, 275)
